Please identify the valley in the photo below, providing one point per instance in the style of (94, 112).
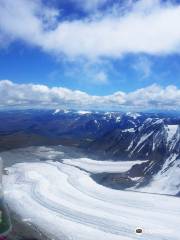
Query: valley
(62, 201)
(105, 173)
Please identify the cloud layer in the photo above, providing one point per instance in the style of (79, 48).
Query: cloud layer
(148, 26)
(32, 95)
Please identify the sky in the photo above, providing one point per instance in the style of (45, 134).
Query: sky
(90, 54)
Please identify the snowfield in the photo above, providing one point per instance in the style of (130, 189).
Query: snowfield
(65, 203)
(94, 166)
(166, 181)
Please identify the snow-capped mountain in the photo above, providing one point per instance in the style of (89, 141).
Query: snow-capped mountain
(138, 153)
(52, 127)
(167, 180)
(153, 138)
(156, 140)
(140, 138)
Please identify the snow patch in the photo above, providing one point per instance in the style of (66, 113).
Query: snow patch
(133, 115)
(83, 112)
(60, 110)
(95, 166)
(167, 180)
(171, 131)
(129, 130)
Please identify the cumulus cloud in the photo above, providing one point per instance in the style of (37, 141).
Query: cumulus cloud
(33, 95)
(149, 26)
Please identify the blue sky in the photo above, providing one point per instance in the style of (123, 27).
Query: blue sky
(24, 64)
(99, 47)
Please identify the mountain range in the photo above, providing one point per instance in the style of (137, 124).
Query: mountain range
(153, 138)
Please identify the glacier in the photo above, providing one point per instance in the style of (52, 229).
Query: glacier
(62, 200)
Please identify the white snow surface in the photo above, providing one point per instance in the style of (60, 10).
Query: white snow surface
(129, 130)
(171, 131)
(166, 181)
(133, 115)
(142, 140)
(94, 166)
(56, 111)
(82, 112)
(118, 119)
(64, 202)
(60, 110)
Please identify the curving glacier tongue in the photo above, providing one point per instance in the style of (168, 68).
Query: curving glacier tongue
(63, 202)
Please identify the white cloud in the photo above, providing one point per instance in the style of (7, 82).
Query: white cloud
(90, 5)
(101, 78)
(88, 72)
(149, 27)
(32, 95)
(143, 66)
(26, 20)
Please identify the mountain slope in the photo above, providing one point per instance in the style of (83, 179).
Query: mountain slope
(152, 138)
